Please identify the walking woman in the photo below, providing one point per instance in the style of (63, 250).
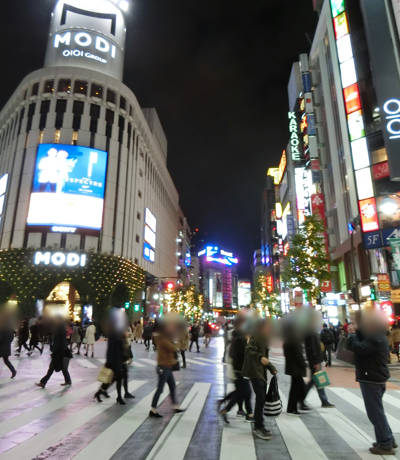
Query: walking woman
(115, 362)
(138, 332)
(296, 367)
(167, 360)
(6, 338)
(76, 338)
(90, 338)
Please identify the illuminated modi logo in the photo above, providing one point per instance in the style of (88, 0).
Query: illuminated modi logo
(83, 40)
(60, 259)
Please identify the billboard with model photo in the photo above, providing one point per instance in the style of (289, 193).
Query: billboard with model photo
(68, 187)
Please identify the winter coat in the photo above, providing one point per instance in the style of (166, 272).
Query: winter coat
(59, 348)
(252, 367)
(34, 334)
(195, 332)
(327, 337)
(237, 350)
(167, 351)
(148, 331)
(371, 357)
(115, 353)
(76, 336)
(90, 335)
(138, 332)
(6, 338)
(314, 353)
(295, 364)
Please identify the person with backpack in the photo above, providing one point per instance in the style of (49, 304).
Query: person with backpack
(328, 340)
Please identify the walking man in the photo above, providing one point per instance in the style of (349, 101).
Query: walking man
(194, 336)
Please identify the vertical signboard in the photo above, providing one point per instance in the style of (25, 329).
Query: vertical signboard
(383, 49)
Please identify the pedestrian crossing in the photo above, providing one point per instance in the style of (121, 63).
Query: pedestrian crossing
(296, 437)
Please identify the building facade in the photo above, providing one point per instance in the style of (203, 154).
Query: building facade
(84, 167)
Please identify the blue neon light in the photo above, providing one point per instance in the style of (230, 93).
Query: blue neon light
(215, 254)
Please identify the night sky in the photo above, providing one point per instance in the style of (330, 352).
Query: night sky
(217, 72)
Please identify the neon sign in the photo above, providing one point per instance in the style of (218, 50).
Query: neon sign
(59, 259)
(294, 137)
(215, 254)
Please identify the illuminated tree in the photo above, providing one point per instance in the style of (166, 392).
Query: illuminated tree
(307, 265)
(267, 303)
(187, 302)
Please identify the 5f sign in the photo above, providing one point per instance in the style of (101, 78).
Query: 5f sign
(392, 116)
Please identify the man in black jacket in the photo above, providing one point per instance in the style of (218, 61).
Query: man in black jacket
(60, 355)
(371, 350)
(328, 340)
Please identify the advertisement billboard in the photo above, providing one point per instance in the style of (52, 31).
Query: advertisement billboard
(68, 187)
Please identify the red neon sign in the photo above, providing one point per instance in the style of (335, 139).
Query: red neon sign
(369, 215)
(352, 98)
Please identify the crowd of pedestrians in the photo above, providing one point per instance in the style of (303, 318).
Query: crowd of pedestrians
(308, 345)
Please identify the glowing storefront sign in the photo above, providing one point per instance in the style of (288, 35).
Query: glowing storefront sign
(303, 180)
(149, 253)
(150, 220)
(392, 116)
(341, 26)
(356, 126)
(369, 215)
(364, 183)
(352, 98)
(215, 254)
(360, 154)
(295, 143)
(60, 259)
(68, 187)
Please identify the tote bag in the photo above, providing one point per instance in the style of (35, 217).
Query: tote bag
(273, 403)
(321, 379)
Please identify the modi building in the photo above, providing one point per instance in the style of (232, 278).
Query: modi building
(87, 205)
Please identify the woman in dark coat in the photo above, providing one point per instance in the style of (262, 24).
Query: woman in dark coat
(115, 362)
(6, 338)
(295, 367)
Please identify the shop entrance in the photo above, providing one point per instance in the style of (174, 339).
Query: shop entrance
(64, 300)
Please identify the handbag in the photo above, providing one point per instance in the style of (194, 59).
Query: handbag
(321, 379)
(273, 403)
(106, 375)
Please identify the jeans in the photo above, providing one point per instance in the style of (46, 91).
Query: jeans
(165, 376)
(321, 392)
(196, 341)
(372, 394)
(147, 342)
(260, 390)
(328, 354)
(296, 394)
(242, 394)
(51, 369)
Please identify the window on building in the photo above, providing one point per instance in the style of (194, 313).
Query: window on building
(64, 86)
(141, 172)
(137, 239)
(35, 89)
(111, 96)
(41, 135)
(57, 136)
(122, 103)
(81, 87)
(97, 91)
(48, 86)
(74, 137)
(136, 261)
(25, 94)
(138, 215)
(139, 194)
(78, 108)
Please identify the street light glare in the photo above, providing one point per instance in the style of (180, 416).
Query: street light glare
(124, 5)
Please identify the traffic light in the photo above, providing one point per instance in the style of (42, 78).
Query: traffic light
(136, 308)
(127, 305)
(373, 292)
(170, 286)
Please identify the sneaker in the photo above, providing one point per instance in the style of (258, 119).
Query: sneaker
(129, 396)
(249, 418)
(380, 451)
(394, 444)
(328, 406)
(154, 414)
(40, 384)
(240, 413)
(262, 433)
(66, 384)
(294, 412)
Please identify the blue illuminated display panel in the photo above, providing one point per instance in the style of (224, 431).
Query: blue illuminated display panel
(68, 187)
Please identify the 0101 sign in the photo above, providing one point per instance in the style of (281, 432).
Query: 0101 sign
(392, 116)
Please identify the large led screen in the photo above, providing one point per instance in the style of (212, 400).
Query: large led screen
(68, 187)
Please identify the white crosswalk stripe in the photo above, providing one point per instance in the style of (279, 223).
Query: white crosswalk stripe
(85, 363)
(39, 443)
(175, 439)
